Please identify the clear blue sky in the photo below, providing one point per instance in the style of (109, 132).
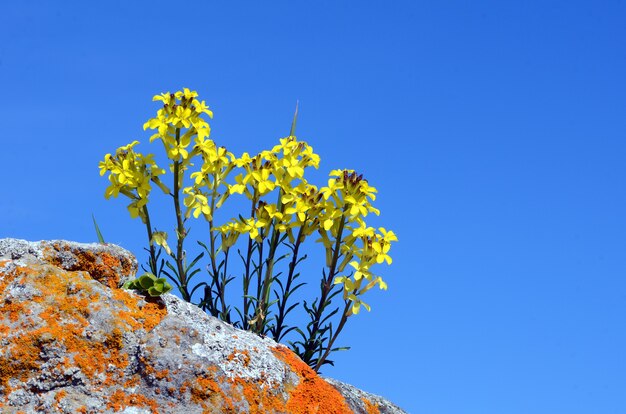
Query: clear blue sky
(494, 131)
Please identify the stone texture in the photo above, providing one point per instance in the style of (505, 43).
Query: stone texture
(72, 342)
(363, 402)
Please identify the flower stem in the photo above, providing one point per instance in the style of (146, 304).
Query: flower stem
(326, 286)
(248, 276)
(263, 305)
(180, 228)
(152, 261)
(329, 347)
(280, 319)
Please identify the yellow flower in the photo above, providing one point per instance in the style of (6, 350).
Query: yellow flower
(202, 108)
(239, 187)
(262, 180)
(229, 233)
(362, 270)
(180, 110)
(197, 202)
(388, 236)
(363, 231)
(244, 160)
(160, 238)
(131, 173)
(381, 248)
(249, 226)
(356, 304)
(135, 208)
(187, 94)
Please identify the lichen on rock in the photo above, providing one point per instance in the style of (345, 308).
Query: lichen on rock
(72, 341)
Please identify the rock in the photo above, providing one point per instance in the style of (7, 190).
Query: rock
(109, 264)
(72, 341)
(363, 402)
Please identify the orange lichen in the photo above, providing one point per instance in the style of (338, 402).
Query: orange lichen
(120, 400)
(60, 395)
(162, 374)
(62, 321)
(260, 400)
(146, 317)
(370, 406)
(132, 382)
(14, 310)
(205, 389)
(102, 266)
(23, 359)
(242, 356)
(312, 394)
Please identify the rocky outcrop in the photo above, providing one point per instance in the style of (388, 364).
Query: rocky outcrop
(72, 341)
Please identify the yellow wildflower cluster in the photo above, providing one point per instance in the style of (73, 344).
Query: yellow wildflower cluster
(370, 248)
(303, 203)
(181, 110)
(292, 157)
(230, 233)
(347, 202)
(337, 211)
(257, 179)
(276, 169)
(131, 174)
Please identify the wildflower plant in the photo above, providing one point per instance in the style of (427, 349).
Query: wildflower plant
(284, 210)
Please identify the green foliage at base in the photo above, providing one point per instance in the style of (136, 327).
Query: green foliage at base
(149, 283)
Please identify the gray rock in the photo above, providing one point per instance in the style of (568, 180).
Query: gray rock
(72, 342)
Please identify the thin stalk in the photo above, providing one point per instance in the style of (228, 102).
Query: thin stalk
(327, 284)
(219, 285)
(180, 228)
(152, 261)
(225, 314)
(263, 305)
(247, 276)
(292, 266)
(329, 347)
(259, 271)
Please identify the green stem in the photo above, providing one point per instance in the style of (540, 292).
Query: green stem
(283, 304)
(248, 276)
(259, 270)
(152, 260)
(215, 276)
(326, 287)
(263, 305)
(329, 347)
(180, 228)
(225, 313)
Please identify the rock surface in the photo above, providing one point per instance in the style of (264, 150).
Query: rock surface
(72, 341)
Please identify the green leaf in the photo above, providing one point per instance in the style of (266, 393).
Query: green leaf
(293, 123)
(98, 233)
(154, 292)
(146, 280)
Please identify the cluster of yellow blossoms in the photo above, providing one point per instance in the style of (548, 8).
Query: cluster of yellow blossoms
(336, 211)
(131, 174)
(181, 110)
(348, 198)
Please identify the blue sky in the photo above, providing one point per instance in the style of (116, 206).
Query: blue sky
(494, 132)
